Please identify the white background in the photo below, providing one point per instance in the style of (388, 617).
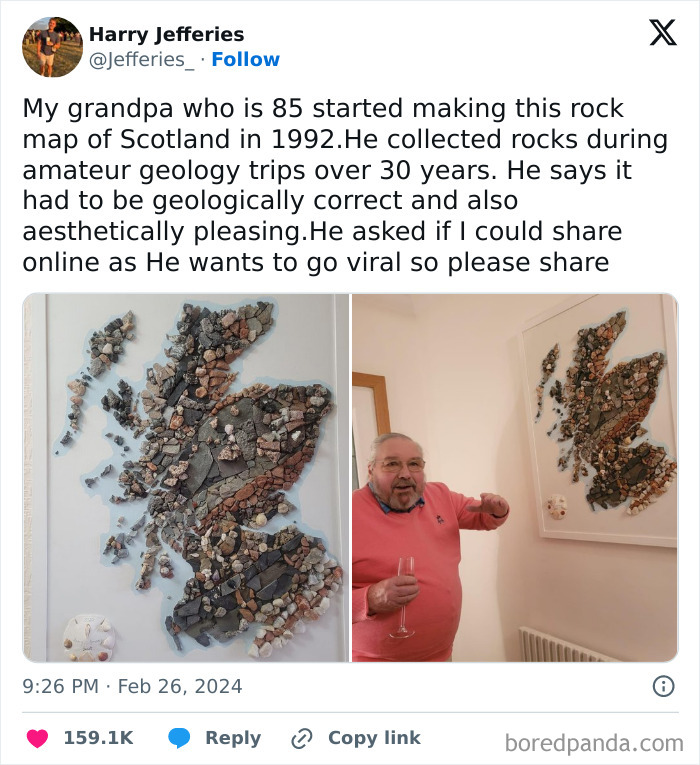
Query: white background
(421, 51)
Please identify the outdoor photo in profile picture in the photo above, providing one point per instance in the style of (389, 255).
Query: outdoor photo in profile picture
(52, 47)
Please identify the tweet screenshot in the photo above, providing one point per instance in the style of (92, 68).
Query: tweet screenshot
(349, 375)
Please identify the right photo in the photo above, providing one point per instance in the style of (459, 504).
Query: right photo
(514, 478)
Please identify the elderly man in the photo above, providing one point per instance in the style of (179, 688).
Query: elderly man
(48, 42)
(399, 514)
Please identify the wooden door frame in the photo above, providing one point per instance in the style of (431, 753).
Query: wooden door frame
(377, 383)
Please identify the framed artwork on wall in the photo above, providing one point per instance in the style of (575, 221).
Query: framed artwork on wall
(600, 377)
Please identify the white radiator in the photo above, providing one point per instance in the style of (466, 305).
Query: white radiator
(538, 646)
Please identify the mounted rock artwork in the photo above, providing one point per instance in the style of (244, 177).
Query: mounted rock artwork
(600, 416)
(214, 469)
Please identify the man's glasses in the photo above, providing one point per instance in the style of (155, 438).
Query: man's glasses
(393, 466)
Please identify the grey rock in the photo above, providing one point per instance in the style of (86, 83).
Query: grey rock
(198, 469)
(190, 608)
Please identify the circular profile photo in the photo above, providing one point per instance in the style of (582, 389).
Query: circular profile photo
(52, 47)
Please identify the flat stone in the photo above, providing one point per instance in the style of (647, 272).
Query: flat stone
(190, 608)
(200, 464)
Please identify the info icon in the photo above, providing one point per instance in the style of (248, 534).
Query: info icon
(663, 686)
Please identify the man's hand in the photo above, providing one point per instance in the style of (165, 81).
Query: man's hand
(492, 504)
(391, 594)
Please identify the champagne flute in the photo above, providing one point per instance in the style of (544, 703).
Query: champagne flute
(407, 567)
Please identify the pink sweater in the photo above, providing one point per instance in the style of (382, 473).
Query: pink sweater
(431, 535)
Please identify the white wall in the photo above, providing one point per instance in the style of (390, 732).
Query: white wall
(454, 383)
(386, 342)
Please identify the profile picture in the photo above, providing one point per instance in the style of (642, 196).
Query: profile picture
(52, 47)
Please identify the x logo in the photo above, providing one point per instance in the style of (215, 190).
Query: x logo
(663, 32)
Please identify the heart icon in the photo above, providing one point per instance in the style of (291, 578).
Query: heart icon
(37, 738)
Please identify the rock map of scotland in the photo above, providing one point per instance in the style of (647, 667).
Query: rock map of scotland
(214, 469)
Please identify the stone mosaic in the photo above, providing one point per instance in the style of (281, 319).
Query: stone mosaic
(213, 470)
(599, 420)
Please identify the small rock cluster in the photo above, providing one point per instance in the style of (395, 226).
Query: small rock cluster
(549, 364)
(601, 415)
(106, 346)
(120, 404)
(90, 481)
(77, 387)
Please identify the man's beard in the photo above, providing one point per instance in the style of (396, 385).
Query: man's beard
(404, 493)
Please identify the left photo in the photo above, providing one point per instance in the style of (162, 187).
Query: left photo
(186, 477)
